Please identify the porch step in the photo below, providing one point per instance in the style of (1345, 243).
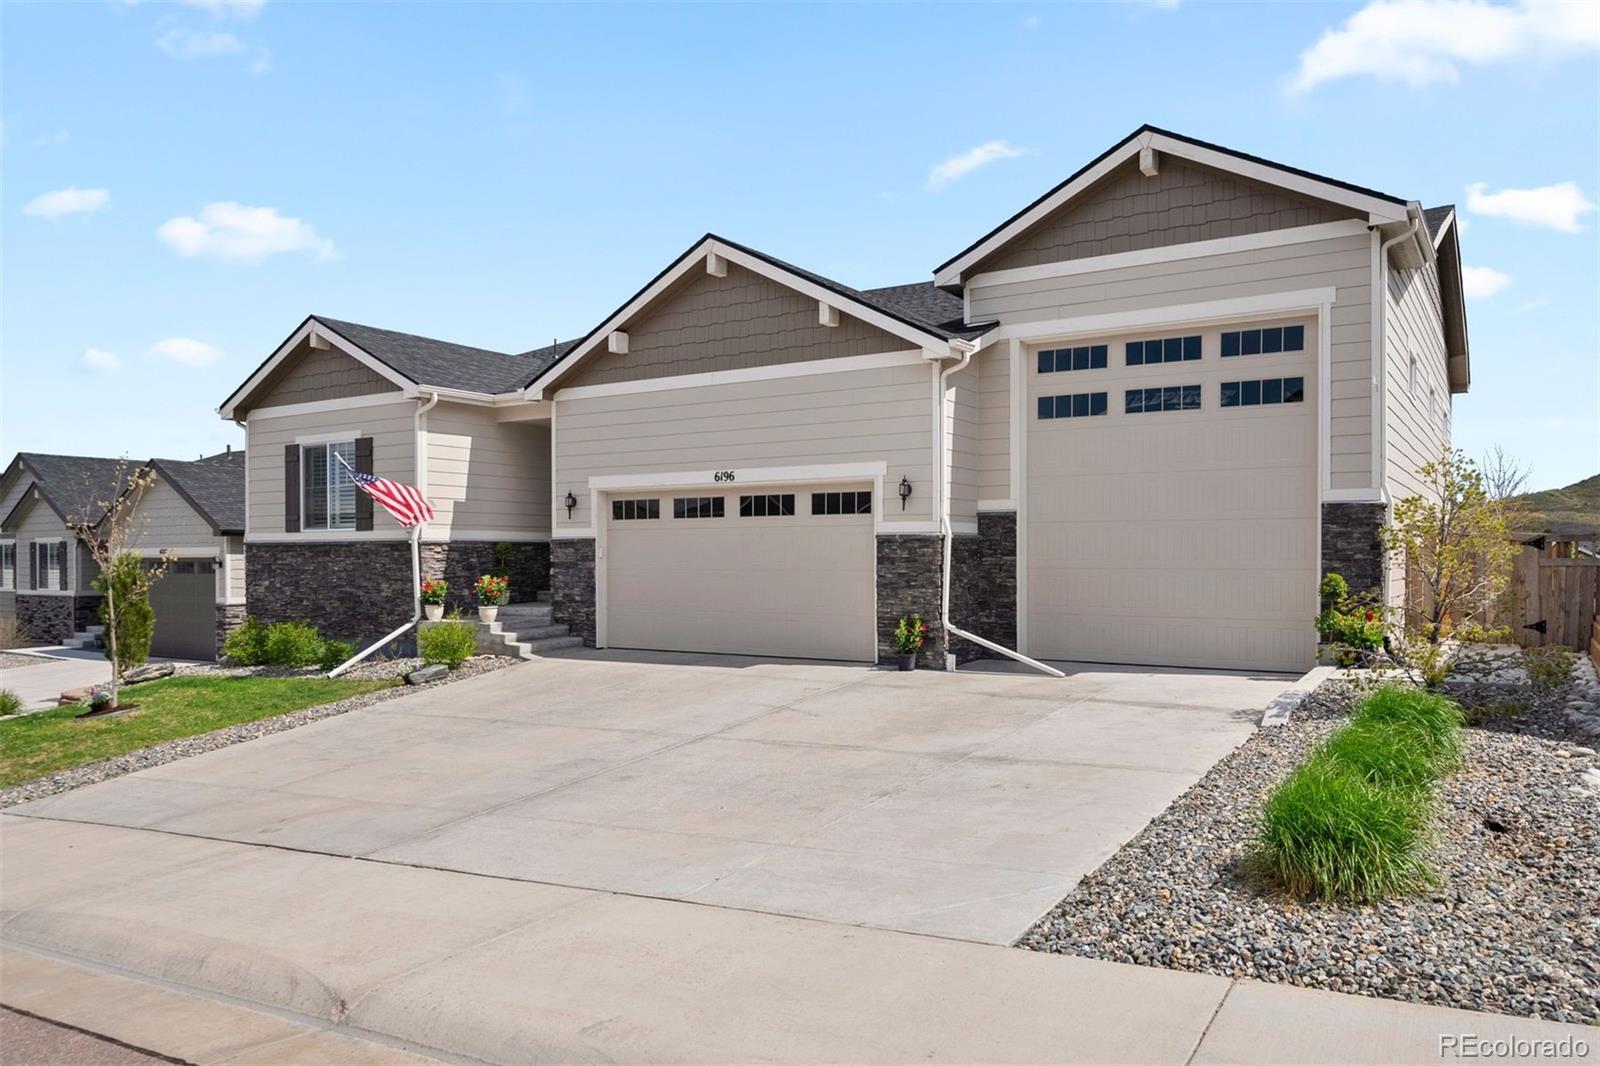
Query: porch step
(89, 637)
(542, 596)
(524, 631)
(524, 614)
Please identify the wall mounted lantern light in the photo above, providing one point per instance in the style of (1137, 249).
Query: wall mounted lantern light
(905, 491)
(571, 501)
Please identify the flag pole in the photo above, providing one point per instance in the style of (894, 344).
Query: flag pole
(416, 606)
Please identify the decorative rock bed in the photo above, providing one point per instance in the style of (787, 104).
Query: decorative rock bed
(1513, 926)
(173, 750)
(10, 660)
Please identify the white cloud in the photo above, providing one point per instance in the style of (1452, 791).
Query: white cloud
(221, 9)
(1419, 42)
(1559, 206)
(236, 233)
(1480, 283)
(959, 166)
(68, 201)
(181, 43)
(187, 351)
(100, 359)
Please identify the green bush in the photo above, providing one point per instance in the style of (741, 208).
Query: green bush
(1387, 754)
(1548, 667)
(1430, 722)
(1328, 834)
(451, 642)
(335, 652)
(10, 702)
(246, 644)
(292, 644)
(127, 583)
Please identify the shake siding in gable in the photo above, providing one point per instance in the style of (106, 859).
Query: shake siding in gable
(1343, 263)
(393, 455)
(39, 522)
(486, 476)
(994, 422)
(882, 414)
(311, 374)
(14, 492)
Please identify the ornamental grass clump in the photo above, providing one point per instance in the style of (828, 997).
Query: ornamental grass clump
(1352, 823)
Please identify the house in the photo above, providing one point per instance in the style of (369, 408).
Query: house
(1143, 413)
(192, 511)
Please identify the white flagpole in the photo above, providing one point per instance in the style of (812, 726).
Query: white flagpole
(416, 598)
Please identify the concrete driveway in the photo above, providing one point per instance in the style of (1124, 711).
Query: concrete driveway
(962, 806)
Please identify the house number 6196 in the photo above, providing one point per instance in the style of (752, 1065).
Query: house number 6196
(722, 475)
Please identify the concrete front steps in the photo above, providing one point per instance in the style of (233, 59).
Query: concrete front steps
(90, 637)
(525, 631)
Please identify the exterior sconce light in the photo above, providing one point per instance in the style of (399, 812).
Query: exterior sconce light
(571, 501)
(905, 491)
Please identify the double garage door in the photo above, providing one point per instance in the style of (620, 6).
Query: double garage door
(184, 601)
(1172, 498)
(773, 571)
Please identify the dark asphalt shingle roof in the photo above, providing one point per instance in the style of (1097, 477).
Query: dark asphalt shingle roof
(214, 486)
(427, 361)
(79, 485)
(926, 301)
(1435, 218)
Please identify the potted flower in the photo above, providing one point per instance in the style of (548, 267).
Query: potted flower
(99, 700)
(491, 591)
(433, 595)
(909, 636)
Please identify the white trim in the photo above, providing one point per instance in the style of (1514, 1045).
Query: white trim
(696, 257)
(1189, 314)
(377, 399)
(231, 602)
(331, 437)
(51, 592)
(1363, 495)
(1378, 210)
(758, 475)
(306, 329)
(997, 505)
(1019, 461)
(213, 553)
(938, 474)
(964, 527)
(1324, 403)
(1377, 363)
(570, 533)
(516, 536)
(440, 537)
(842, 365)
(1014, 473)
(1323, 231)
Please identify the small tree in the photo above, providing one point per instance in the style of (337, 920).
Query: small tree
(111, 526)
(1455, 543)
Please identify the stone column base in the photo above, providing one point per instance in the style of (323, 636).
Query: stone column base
(983, 585)
(1350, 544)
(910, 581)
(572, 586)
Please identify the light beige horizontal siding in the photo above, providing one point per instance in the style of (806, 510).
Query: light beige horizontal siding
(994, 422)
(38, 522)
(393, 433)
(1343, 263)
(961, 458)
(164, 519)
(882, 414)
(236, 563)
(485, 475)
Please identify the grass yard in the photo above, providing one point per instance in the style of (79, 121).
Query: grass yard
(175, 707)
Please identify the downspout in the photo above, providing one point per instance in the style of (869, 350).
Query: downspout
(416, 559)
(949, 536)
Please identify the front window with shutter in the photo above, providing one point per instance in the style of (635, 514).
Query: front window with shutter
(8, 565)
(328, 495)
(52, 559)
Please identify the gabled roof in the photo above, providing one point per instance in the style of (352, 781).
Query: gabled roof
(1437, 218)
(214, 486)
(76, 487)
(1381, 206)
(905, 310)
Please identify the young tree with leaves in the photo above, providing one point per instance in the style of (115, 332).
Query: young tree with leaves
(111, 529)
(1454, 541)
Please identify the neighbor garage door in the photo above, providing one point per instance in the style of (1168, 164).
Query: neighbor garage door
(782, 571)
(184, 601)
(1172, 498)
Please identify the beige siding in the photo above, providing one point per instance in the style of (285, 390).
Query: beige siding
(994, 422)
(20, 483)
(730, 323)
(164, 519)
(1344, 263)
(961, 458)
(38, 522)
(310, 374)
(1127, 211)
(391, 426)
(882, 414)
(487, 476)
(236, 562)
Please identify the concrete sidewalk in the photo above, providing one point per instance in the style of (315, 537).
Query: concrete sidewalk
(460, 965)
(58, 670)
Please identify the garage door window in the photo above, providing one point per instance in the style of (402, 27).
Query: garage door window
(841, 503)
(1267, 390)
(697, 507)
(773, 505)
(1165, 350)
(1264, 341)
(1077, 405)
(633, 510)
(1167, 398)
(1060, 360)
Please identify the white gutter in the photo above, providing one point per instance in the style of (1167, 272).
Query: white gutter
(944, 526)
(416, 565)
(1380, 356)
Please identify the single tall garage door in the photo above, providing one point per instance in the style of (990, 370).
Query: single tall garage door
(1172, 498)
(184, 601)
(779, 571)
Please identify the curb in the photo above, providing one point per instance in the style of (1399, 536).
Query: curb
(1280, 709)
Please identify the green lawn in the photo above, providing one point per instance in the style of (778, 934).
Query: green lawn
(38, 744)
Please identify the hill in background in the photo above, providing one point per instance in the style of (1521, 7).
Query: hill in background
(1574, 509)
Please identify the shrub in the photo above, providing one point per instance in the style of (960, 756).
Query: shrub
(10, 634)
(910, 633)
(1333, 590)
(246, 644)
(1431, 722)
(127, 585)
(292, 644)
(1387, 754)
(335, 652)
(1478, 633)
(1328, 834)
(10, 702)
(1547, 668)
(451, 642)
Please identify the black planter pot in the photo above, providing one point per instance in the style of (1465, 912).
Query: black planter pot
(906, 661)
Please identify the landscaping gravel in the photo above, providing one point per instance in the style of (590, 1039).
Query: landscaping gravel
(10, 660)
(1513, 927)
(173, 750)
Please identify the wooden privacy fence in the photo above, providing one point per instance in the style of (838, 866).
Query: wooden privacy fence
(1554, 596)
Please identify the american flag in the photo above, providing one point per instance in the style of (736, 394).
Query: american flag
(403, 501)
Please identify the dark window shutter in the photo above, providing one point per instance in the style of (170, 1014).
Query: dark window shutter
(63, 566)
(291, 488)
(33, 564)
(363, 466)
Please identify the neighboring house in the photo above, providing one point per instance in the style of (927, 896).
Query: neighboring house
(192, 511)
(1150, 408)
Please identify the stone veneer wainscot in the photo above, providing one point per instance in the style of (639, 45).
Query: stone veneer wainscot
(983, 585)
(1350, 545)
(910, 581)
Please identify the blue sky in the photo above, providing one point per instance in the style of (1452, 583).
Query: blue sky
(184, 182)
